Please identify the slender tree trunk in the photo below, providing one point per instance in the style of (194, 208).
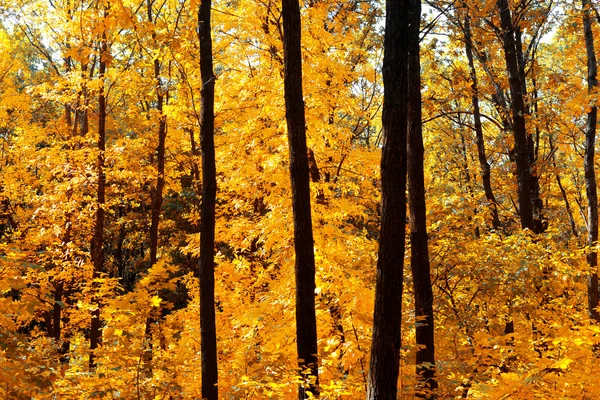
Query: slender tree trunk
(533, 142)
(590, 173)
(56, 310)
(58, 318)
(195, 170)
(567, 205)
(518, 115)
(483, 162)
(306, 322)
(62, 295)
(385, 348)
(419, 257)
(512, 54)
(208, 330)
(119, 259)
(97, 247)
(518, 35)
(563, 191)
(157, 192)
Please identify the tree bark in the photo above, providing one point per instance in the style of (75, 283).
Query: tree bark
(567, 205)
(518, 115)
(590, 173)
(56, 311)
(562, 190)
(419, 257)
(208, 330)
(157, 192)
(483, 162)
(533, 142)
(385, 348)
(306, 323)
(97, 246)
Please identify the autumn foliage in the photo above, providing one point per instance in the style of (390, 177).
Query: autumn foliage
(488, 273)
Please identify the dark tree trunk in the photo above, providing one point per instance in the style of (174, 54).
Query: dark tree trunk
(518, 115)
(157, 192)
(590, 173)
(97, 246)
(521, 65)
(567, 204)
(483, 162)
(419, 257)
(59, 319)
(563, 191)
(119, 256)
(195, 170)
(62, 295)
(208, 330)
(56, 310)
(385, 348)
(306, 323)
(533, 142)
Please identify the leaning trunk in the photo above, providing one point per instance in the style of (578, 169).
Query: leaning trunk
(385, 348)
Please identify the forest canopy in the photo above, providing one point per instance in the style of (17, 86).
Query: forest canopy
(252, 199)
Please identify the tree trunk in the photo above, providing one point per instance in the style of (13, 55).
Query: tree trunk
(518, 115)
(306, 323)
(385, 348)
(533, 142)
(208, 330)
(157, 192)
(56, 310)
(97, 246)
(567, 204)
(419, 257)
(61, 293)
(562, 190)
(483, 162)
(195, 170)
(590, 173)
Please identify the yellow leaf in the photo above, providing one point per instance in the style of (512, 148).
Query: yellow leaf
(155, 301)
(564, 363)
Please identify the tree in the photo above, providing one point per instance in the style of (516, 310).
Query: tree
(483, 161)
(589, 165)
(97, 246)
(385, 347)
(306, 323)
(517, 84)
(419, 260)
(49, 124)
(156, 194)
(208, 330)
